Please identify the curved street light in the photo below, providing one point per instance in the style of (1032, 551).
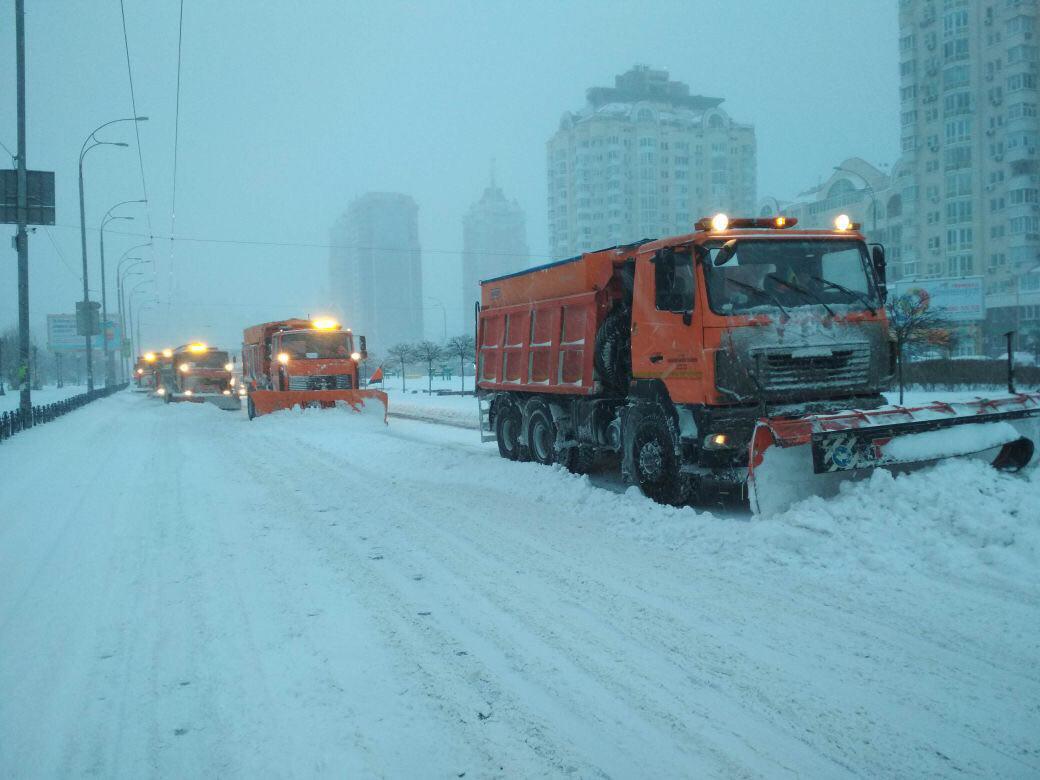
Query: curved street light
(110, 369)
(130, 302)
(121, 276)
(873, 196)
(89, 143)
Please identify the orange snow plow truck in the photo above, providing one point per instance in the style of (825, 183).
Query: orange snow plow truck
(200, 373)
(303, 363)
(743, 357)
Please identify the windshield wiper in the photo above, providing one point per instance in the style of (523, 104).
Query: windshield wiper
(857, 295)
(761, 294)
(799, 289)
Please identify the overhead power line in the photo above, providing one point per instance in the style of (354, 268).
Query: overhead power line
(176, 141)
(307, 244)
(137, 125)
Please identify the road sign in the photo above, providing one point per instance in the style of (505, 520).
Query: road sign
(88, 318)
(40, 187)
(62, 335)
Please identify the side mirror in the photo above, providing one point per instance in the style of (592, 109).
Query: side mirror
(725, 254)
(362, 347)
(877, 256)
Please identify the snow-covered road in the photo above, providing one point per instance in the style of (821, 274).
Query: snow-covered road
(184, 593)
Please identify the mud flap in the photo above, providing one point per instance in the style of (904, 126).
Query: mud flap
(366, 401)
(791, 459)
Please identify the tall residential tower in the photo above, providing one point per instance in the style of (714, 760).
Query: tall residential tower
(494, 242)
(375, 269)
(643, 159)
(969, 175)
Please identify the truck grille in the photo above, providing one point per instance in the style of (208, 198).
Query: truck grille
(329, 382)
(844, 366)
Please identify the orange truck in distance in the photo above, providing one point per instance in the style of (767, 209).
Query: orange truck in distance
(144, 372)
(302, 363)
(200, 373)
(745, 357)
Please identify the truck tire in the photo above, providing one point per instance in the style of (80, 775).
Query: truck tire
(613, 350)
(656, 465)
(166, 397)
(541, 434)
(507, 429)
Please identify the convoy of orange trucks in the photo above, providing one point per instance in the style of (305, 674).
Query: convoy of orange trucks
(747, 357)
(303, 363)
(744, 357)
(200, 373)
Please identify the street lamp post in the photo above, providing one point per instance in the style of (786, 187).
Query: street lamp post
(110, 369)
(93, 142)
(122, 322)
(444, 314)
(873, 197)
(130, 304)
(122, 304)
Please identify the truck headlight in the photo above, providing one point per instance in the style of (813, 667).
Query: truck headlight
(188, 392)
(229, 366)
(355, 356)
(283, 358)
(161, 391)
(185, 368)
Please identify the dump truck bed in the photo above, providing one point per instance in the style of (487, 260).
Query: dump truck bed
(537, 328)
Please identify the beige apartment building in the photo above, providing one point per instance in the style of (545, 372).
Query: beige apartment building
(644, 159)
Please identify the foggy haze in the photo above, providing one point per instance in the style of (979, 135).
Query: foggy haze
(289, 112)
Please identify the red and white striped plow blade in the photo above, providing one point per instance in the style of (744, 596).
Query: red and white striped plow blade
(793, 458)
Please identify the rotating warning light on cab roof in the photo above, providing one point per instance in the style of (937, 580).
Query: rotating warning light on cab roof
(325, 323)
(721, 223)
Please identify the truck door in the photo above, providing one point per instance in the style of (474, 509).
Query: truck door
(666, 341)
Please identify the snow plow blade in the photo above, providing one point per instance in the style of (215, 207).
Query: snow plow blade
(793, 458)
(267, 401)
(226, 402)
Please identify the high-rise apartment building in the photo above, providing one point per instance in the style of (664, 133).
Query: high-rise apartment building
(375, 269)
(642, 159)
(969, 176)
(494, 242)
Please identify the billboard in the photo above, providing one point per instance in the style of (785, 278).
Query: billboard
(62, 335)
(957, 300)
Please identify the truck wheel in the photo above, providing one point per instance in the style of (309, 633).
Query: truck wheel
(656, 465)
(613, 351)
(541, 435)
(507, 430)
(166, 397)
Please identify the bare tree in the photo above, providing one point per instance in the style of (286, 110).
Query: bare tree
(402, 353)
(914, 326)
(428, 352)
(461, 347)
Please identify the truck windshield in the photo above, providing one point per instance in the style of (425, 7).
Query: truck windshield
(786, 274)
(212, 359)
(316, 344)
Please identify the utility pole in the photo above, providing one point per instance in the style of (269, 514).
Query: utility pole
(22, 238)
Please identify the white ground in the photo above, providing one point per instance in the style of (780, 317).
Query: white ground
(184, 593)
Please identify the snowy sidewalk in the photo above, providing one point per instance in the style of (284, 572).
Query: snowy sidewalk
(186, 593)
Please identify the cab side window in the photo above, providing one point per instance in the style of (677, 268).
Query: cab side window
(673, 281)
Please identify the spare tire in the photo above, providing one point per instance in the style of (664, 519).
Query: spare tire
(613, 355)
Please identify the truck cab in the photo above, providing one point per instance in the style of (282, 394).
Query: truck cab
(144, 372)
(301, 355)
(200, 372)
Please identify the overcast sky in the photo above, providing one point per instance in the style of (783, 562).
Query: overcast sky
(288, 111)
